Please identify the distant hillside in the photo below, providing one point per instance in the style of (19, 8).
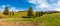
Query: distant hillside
(22, 11)
(50, 19)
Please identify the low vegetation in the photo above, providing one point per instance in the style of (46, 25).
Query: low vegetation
(41, 18)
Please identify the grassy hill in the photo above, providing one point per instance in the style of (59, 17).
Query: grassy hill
(16, 17)
(46, 20)
(50, 20)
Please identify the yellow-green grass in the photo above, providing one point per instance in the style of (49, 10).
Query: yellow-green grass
(50, 20)
(19, 14)
(17, 17)
(46, 20)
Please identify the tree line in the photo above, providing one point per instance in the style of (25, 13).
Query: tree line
(29, 14)
(6, 11)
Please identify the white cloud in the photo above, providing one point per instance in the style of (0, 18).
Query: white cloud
(11, 8)
(1, 10)
(3, 6)
(33, 1)
(57, 9)
(43, 5)
(40, 4)
(36, 1)
(58, 3)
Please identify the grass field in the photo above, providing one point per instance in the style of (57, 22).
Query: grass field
(46, 20)
(50, 19)
(17, 17)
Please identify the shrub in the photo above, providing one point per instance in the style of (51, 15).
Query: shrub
(26, 17)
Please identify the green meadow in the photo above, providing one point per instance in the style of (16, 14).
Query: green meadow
(37, 18)
(46, 19)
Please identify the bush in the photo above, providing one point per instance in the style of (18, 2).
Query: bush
(26, 17)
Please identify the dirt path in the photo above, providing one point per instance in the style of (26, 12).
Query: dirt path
(16, 23)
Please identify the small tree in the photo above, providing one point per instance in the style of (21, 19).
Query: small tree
(30, 12)
(6, 11)
(37, 14)
(12, 12)
(41, 13)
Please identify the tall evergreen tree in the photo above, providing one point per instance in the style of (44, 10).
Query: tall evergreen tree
(30, 12)
(6, 11)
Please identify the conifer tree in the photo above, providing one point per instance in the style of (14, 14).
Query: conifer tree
(30, 12)
(6, 11)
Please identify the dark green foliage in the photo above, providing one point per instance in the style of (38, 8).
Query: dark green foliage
(12, 12)
(6, 11)
(42, 13)
(50, 12)
(26, 17)
(38, 14)
(30, 12)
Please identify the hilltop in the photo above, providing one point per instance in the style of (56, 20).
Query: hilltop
(50, 19)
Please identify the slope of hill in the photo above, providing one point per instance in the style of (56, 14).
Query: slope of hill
(2, 15)
(46, 20)
(50, 20)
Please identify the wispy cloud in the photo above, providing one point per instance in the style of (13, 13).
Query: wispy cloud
(44, 5)
(11, 8)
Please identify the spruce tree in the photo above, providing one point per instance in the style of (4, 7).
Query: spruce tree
(6, 11)
(30, 12)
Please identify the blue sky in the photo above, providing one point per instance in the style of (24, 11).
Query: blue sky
(37, 5)
(15, 5)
